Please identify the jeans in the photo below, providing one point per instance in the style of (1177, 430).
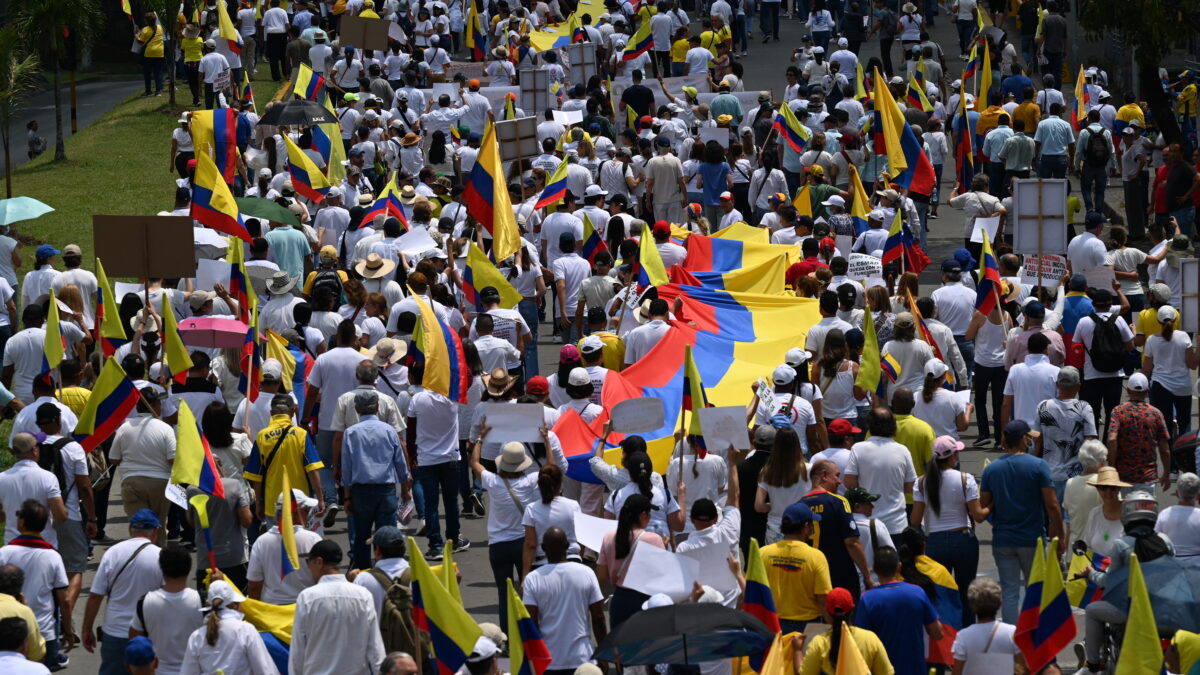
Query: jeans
(714, 215)
(959, 552)
(885, 54)
(373, 506)
(505, 559)
(821, 39)
(439, 479)
(740, 40)
(152, 69)
(1101, 390)
(1135, 208)
(1176, 409)
(112, 654)
(1027, 47)
(1097, 614)
(995, 174)
(529, 312)
(937, 188)
(1052, 166)
(967, 348)
(1012, 564)
(325, 452)
(1185, 217)
(985, 377)
(52, 650)
(1092, 182)
(966, 29)
(1054, 66)
(770, 20)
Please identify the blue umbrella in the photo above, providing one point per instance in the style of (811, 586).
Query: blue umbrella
(21, 208)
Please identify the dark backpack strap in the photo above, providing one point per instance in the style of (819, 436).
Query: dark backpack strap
(271, 455)
(113, 584)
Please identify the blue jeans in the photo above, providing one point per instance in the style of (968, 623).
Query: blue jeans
(152, 71)
(1177, 410)
(967, 347)
(959, 552)
(1027, 47)
(966, 29)
(1052, 166)
(1185, 217)
(739, 32)
(529, 312)
(1012, 564)
(325, 452)
(769, 20)
(51, 657)
(937, 187)
(112, 654)
(439, 480)
(1054, 66)
(1092, 181)
(373, 506)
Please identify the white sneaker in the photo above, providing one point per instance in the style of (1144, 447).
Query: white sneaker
(1088, 671)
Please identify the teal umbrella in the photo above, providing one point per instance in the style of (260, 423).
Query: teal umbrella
(21, 208)
(266, 209)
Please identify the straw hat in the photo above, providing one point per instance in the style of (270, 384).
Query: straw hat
(498, 382)
(375, 266)
(513, 458)
(280, 283)
(1107, 476)
(387, 352)
(408, 195)
(410, 139)
(148, 321)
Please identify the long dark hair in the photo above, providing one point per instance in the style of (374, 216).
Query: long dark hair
(912, 544)
(437, 148)
(640, 470)
(549, 482)
(833, 352)
(627, 520)
(217, 422)
(785, 465)
(931, 485)
(714, 153)
(930, 386)
(835, 634)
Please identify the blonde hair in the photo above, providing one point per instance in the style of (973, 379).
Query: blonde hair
(212, 622)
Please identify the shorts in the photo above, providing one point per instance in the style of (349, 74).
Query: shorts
(72, 546)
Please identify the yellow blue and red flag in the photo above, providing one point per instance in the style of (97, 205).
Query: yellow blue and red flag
(803, 201)
(640, 43)
(908, 165)
(649, 268)
(1141, 650)
(1082, 592)
(480, 273)
(861, 94)
(452, 632)
(307, 179)
(985, 78)
(113, 398)
(251, 361)
(972, 61)
(890, 366)
(593, 245)
(927, 336)
(1045, 625)
(110, 334)
(902, 245)
(964, 142)
(194, 464)
(527, 651)
(916, 95)
(213, 204)
(309, 85)
(694, 398)
(388, 204)
(790, 129)
(487, 200)
(239, 281)
(870, 368)
(446, 370)
(200, 504)
(227, 31)
(759, 601)
(860, 205)
(1082, 98)
(476, 37)
(214, 134)
(556, 187)
(177, 357)
(722, 254)
(987, 291)
(54, 346)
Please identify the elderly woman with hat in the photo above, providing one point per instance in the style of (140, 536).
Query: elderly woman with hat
(1104, 525)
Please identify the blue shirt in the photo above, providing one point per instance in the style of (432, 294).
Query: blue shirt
(371, 454)
(290, 247)
(1016, 482)
(713, 176)
(1055, 135)
(1075, 307)
(888, 610)
(1016, 85)
(994, 141)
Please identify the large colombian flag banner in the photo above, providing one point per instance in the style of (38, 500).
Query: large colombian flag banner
(452, 632)
(214, 134)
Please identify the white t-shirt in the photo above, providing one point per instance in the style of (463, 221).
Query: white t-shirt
(957, 488)
(713, 474)
(265, 566)
(1083, 335)
(333, 372)
(1170, 362)
(883, 466)
(26, 480)
(782, 497)
(869, 542)
(24, 352)
(170, 619)
(563, 593)
(572, 270)
(1182, 525)
(996, 637)
(505, 515)
(141, 576)
(941, 412)
(801, 414)
(560, 512)
(663, 502)
(44, 573)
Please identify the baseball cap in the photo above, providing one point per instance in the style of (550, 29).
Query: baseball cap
(951, 266)
(834, 200)
(1137, 382)
(328, 252)
(591, 344)
(72, 249)
(724, 195)
(663, 141)
(1077, 282)
(662, 226)
(489, 294)
(704, 509)
(594, 190)
(567, 354)
(944, 446)
(578, 377)
(538, 384)
(783, 374)
(764, 436)
(841, 427)
(839, 599)
(144, 519)
(1034, 309)
(272, 370)
(46, 251)
(1015, 430)
(860, 495)
(139, 651)
(326, 550)
(797, 357)
(800, 513)
(1068, 376)
(1167, 313)
(935, 368)
(386, 536)
(485, 648)
(1093, 219)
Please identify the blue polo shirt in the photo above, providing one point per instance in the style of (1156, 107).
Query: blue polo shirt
(888, 610)
(1075, 307)
(1016, 482)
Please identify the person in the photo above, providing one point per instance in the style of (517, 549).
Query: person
(642, 339)
(45, 579)
(25, 480)
(616, 551)
(15, 655)
(564, 600)
(1168, 357)
(1017, 493)
(882, 466)
(838, 537)
(551, 509)
(1106, 337)
(715, 530)
(899, 613)
(1136, 430)
(128, 571)
(373, 465)
(823, 651)
(168, 615)
(941, 408)
(784, 478)
(668, 516)
(1104, 520)
(987, 331)
(265, 577)
(946, 505)
(908, 350)
(144, 448)
(704, 477)
(797, 572)
(788, 407)
(287, 448)
(226, 643)
(399, 663)
(1030, 383)
(1095, 159)
(1079, 498)
(1179, 522)
(1063, 422)
(986, 646)
(332, 374)
(336, 629)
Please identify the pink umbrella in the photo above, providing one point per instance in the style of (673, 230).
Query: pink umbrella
(211, 331)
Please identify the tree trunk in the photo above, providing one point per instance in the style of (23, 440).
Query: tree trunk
(169, 63)
(60, 147)
(7, 160)
(1156, 99)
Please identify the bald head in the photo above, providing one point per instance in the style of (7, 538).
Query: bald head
(824, 474)
(554, 544)
(903, 401)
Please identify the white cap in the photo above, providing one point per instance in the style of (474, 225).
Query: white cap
(265, 172)
(594, 190)
(727, 195)
(1166, 312)
(485, 648)
(658, 600)
(843, 42)
(302, 500)
(834, 200)
(797, 356)
(225, 591)
(935, 368)
(955, 84)
(578, 377)
(1138, 382)
(818, 50)
(591, 343)
(334, 191)
(784, 374)
(272, 370)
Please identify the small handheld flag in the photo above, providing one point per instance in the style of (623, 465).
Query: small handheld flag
(213, 204)
(480, 273)
(1141, 651)
(1082, 99)
(890, 367)
(177, 357)
(527, 651)
(860, 207)
(289, 557)
(759, 601)
(556, 187)
(226, 29)
(694, 398)
(113, 398)
(790, 129)
(593, 245)
(451, 630)
(110, 334)
(194, 464)
(869, 369)
(308, 84)
(54, 346)
(803, 201)
(446, 370)
(487, 199)
(987, 292)
(200, 504)
(650, 268)
(307, 179)
(640, 43)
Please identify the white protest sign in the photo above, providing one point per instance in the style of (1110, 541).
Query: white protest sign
(568, 117)
(177, 495)
(1189, 272)
(449, 88)
(725, 427)
(963, 396)
(514, 422)
(638, 415)
(415, 242)
(590, 530)
(655, 570)
(121, 289)
(990, 224)
(212, 272)
(1045, 271)
(715, 134)
(844, 242)
(765, 391)
(863, 266)
(1100, 277)
(713, 567)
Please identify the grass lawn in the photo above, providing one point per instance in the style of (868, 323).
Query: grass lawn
(116, 166)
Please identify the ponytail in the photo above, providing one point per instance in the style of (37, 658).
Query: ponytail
(1168, 329)
(549, 482)
(835, 636)
(932, 487)
(213, 623)
(929, 388)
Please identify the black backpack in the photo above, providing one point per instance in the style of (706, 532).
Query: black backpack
(1097, 151)
(1108, 349)
(329, 281)
(50, 458)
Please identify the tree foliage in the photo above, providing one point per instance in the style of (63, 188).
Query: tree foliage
(18, 78)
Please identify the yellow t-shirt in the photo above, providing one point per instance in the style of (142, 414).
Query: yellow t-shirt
(816, 655)
(679, 50)
(312, 276)
(613, 352)
(1147, 322)
(193, 49)
(368, 14)
(296, 454)
(797, 573)
(75, 398)
(152, 37)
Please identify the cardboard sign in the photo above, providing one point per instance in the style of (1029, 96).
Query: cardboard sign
(638, 415)
(725, 427)
(364, 33)
(863, 266)
(1045, 271)
(469, 70)
(715, 134)
(518, 138)
(990, 224)
(145, 246)
(514, 422)
(1100, 277)
(1038, 221)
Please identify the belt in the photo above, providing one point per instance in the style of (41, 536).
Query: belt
(386, 485)
(960, 529)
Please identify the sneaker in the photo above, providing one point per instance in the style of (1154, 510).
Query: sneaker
(63, 659)
(477, 505)
(331, 512)
(423, 532)
(434, 553)
(461, 544)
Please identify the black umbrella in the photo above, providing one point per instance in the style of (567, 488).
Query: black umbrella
(297, 112)
(684, 634)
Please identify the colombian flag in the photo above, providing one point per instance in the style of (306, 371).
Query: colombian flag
(790, 129)
(640, 43)
(650, 269)
(1141, 650)
(446, 370)
(972, 62)
(110, 334)
(481, 273)
(527, 652)
(694, 398)
(890, 366)
(487, 200)
(927, 336)
(239, 282)
(985, 78)
(907, 163)
(1082, 98)
(723, 254)
(246, 92)
(902, 245)
(194, 464)
(860, 87)
(768, 277)
(177, 358)
(308, 84)
(1031, 605)
(1082, 592)
(964, 140)
(113, 398)
(759, 601)
(987, 293)
(860, 207)
(307, 179)
(388, 204)
(476, 38)
(916, 95)
(212, 202)
(226, 30)
(556, 187)
(214, 133)
(803, 201)
(870, 369)
(251, 361)
(289, 558)
(593, 245)
(451, 630)
(1045, 625)
(54, 346)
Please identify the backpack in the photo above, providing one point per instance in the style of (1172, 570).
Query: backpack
(1108, 349)
(327, 280)
(396, 614)
(1096, 153)
(50, 458)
